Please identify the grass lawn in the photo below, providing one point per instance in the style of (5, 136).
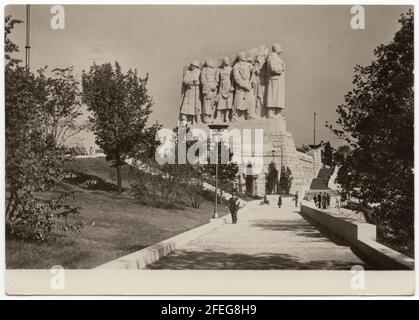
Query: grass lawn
(115, 225)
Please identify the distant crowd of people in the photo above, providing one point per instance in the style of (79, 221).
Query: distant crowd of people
(322, 200)
(295, 200)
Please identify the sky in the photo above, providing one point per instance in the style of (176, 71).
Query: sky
(320, 49)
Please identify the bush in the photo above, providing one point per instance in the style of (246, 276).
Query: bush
(162, 189)
(285, 182)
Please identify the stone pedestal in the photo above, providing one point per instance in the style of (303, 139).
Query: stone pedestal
(251, 176)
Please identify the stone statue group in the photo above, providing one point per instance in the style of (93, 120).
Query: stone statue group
(250, 87)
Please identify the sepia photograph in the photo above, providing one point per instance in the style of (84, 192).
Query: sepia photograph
(168, 149)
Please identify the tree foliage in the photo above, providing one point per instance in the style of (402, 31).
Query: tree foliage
(327, 155)
(120, 105)
(285, 181)
(303, 148)
(162, 188)
(376, 119)
(34, 162)
(271, 178)
(62, 105)
(341, 153)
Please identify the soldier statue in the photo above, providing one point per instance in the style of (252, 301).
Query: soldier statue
(191, 100)
(243, 98)
(209, 80)
(276, 80)
(226, 90)
(258, 84)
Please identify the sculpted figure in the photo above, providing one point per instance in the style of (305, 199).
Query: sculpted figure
(258, 84)
(244, 95)
(191, 101)
(226, 90)
(209, 80)
(276, 80)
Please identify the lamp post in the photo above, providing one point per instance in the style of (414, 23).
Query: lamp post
(217, 128)
(28, 35)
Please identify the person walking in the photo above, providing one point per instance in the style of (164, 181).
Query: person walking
(315, 200)
(279, 201)
(328, 200)
(234, 206)
(296, 199)
(265, 200)
(324, 201)
(319, 201)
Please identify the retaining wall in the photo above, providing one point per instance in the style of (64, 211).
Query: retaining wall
(361, 237)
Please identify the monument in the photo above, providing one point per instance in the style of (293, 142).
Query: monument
(247, 91)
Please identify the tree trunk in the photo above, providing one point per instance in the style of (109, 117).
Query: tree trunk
(118, 178)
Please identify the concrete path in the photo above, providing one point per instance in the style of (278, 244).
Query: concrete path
(265, 237)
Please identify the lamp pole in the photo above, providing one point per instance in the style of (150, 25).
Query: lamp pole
(314, 129)
(216, 134)
(28, 36)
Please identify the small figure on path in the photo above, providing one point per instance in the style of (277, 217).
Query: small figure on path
(315, 200)
(279, 201)
(265, 200)
(319, 201)
(234, 206)
(296, 199)
(328, 200)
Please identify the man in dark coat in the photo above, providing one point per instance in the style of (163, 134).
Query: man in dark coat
(319, 200)
(296, 199)
(233, 204)
(324, 200)
(279, 201)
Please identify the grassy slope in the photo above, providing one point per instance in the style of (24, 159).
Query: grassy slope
(116, 225)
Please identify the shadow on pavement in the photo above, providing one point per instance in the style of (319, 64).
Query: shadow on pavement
(302, 228)
(213, 260)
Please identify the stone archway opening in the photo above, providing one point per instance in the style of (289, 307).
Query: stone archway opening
(250, 180)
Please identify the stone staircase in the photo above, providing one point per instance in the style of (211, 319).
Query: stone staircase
(322, 179)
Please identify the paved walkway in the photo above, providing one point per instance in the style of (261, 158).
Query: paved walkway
(265, 237)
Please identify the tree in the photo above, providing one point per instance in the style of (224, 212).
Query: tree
(226, 171)
(34, 163)
(120, 106)
(162, 188)
(147, 147)
(376, 119)
(327, 155)
(62, 105)
(303, 148)
(341, 154)
(271, 178)
(285, 181)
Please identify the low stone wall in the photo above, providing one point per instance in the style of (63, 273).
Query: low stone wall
(361, 237)
(140, 259)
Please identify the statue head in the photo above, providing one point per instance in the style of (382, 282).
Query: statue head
(210, 63)
(241, 56)
(260, 59)
(250, 59)
(194, 63)
(226, 61)
(276, 47)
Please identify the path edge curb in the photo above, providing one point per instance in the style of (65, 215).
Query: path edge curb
(140, 259)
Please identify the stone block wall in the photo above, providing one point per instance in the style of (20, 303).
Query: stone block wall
(304, 167)
(278, 146)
